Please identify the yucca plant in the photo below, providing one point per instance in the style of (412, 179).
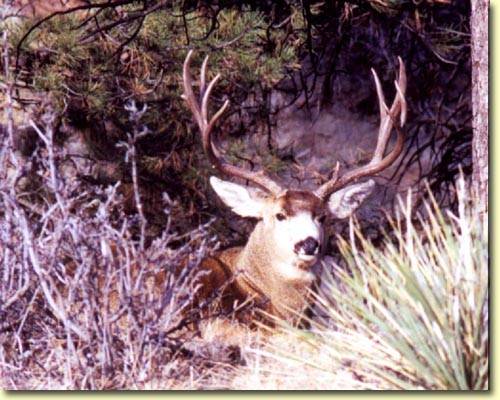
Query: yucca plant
(410, 314)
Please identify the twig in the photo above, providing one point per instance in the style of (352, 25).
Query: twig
(56, 308)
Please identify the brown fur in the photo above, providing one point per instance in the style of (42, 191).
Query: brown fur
(281, 297)
(249, 273)
(294, 201)
(226, 293)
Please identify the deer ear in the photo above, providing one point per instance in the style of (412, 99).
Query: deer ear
(345, 201)
(243, 201)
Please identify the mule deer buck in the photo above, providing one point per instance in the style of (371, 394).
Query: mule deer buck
(274, 270)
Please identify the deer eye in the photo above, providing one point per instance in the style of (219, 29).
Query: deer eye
(280, 216)
(321, 218)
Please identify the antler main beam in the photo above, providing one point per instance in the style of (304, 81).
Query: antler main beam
(199, 109)
(387, 119)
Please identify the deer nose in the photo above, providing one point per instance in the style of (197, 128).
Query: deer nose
(309, 246)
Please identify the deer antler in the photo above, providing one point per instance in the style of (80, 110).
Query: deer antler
(387, 119)
(200, 113)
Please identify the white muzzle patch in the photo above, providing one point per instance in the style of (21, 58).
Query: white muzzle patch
(299, 237)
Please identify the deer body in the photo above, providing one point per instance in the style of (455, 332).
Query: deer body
(274, 271)
(250, 275)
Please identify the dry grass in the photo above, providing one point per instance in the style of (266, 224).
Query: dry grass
(287, 361)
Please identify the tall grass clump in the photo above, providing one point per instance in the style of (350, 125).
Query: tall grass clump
(422, 297)
(409, 314)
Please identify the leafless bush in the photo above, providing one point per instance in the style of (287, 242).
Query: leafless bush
(91, 297)
(87, 300)
(78, 284)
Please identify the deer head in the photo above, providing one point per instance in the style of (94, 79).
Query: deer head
(291, 221)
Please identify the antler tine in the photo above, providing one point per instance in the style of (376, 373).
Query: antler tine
(188, 94)
(387, 116)
(203, 75)
(200, 113)
(387, 119)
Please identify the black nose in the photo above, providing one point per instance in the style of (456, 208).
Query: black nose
(310, 245)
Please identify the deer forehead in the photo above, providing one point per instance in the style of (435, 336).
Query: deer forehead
(295, 202)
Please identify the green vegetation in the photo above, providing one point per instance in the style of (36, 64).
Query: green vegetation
(70, 61)
(90, 73)
(412, 313)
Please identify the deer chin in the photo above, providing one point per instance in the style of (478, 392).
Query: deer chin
(297, 271)
(306, 261)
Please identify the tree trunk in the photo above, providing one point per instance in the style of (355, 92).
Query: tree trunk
(479, 29)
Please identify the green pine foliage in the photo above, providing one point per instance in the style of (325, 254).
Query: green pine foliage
(69, 61)
(90, 76)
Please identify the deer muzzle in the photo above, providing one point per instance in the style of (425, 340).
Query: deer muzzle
(307, 247)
